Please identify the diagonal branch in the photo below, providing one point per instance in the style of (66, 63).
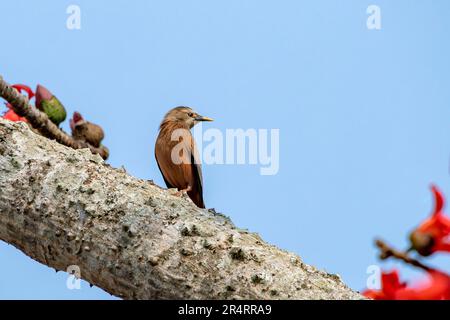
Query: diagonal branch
(388, 252)
(66, 207)
(41, 122)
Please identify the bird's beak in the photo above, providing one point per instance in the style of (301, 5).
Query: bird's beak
(201, 118)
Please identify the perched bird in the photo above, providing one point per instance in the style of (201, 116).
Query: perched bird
(50, 105)
(86, 131)
(177, 155)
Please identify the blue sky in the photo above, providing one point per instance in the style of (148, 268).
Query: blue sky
(363, 114)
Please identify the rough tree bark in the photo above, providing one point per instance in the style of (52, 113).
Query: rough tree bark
(135, 240)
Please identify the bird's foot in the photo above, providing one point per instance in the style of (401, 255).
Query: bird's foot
(183, 193)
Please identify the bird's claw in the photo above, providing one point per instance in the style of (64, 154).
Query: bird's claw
(182, 193)
(179, 193)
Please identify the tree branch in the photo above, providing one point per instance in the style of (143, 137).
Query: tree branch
(135, 240)
(41, 122)
(388, 252)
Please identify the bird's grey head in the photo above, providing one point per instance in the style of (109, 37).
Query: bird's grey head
(184, 115)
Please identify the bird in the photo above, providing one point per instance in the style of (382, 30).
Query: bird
(177, 155)
(50, 105)
(86, 131)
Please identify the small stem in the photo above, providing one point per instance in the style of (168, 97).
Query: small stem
(387, 252)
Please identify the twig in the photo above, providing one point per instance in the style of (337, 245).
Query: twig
(41, 122)
(387, 252)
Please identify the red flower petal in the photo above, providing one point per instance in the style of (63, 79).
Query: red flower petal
(12, 116)
(390, 285)
(436, 287)
(436, 227)
(22, 87)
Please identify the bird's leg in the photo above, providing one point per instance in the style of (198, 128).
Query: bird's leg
(183, 192)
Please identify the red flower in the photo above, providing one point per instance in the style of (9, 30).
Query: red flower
(436, 287)
(27, 89)
(10, 114)
(433, 234)
(390, 285)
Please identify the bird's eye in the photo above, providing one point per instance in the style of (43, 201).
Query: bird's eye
(190, 114)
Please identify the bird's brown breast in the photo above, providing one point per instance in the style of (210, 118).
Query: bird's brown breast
(176, 160)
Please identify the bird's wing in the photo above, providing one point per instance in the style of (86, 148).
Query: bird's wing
(197, 173)
(163, 167)
(192, 170)
(184, 174)
(168, 184)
